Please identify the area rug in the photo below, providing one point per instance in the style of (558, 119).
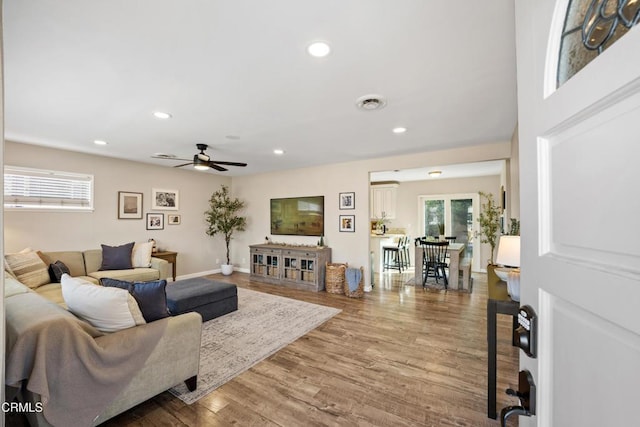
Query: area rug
(429, 284)
(262, 325)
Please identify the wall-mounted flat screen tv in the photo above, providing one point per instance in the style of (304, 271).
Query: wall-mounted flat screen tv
(298, 216)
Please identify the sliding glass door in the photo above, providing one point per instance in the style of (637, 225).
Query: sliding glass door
(452, 215)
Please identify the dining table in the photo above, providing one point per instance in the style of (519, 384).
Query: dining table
(456, 254)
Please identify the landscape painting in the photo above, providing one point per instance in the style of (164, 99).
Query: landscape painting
(299, 216)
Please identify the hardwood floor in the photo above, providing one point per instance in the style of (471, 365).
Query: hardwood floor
(400, 356)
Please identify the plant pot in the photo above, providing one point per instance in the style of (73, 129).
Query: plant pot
(227, 269)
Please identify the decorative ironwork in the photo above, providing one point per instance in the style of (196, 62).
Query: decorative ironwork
(590, 27)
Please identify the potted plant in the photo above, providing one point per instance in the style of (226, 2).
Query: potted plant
(223, 217)
(489, 222)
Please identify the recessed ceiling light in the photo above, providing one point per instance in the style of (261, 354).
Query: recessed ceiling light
(319, 49)
(435, 174)
(399, 130)
(161, 115)
(278, 151)
(100, 142)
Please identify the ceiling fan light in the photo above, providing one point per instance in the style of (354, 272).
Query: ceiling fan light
(200, 163)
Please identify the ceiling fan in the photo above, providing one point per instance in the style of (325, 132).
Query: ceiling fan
(202, 161)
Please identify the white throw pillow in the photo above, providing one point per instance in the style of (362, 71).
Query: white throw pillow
(107, 309)
(141, 254)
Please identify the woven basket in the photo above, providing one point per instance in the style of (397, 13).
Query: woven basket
(334, 278)
(359, 292)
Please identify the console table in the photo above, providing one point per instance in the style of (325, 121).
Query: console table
(498, 302)
(298, 267)
(169, 257)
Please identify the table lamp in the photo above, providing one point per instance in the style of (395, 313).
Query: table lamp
(509, 257)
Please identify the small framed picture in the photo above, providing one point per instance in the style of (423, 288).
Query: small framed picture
(347, 200)
(348, 223)
(173, 219)
(155, 221)
(164, 200)
(129, 205)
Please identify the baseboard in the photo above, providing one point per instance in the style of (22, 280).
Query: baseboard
(200, 274)
(204, 273)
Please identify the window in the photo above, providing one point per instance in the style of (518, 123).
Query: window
(26, 188)
(590, 27)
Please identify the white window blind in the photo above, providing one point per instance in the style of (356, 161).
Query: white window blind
(44, 189)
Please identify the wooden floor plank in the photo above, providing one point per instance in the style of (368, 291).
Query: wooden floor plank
(400, 356)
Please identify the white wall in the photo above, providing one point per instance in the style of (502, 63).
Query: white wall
(513, 195)
(198, 252)
(329, 180)
(56, 231)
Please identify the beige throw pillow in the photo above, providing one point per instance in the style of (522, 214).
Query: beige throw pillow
(141, 254)
(28, 268)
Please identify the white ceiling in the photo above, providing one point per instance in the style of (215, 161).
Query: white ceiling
(463, 170)
(235, 75)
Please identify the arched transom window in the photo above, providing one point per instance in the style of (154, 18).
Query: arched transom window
(590, 27)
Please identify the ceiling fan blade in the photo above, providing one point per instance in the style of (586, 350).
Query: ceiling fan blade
(228, 163)
(184, 164)
(169, 158)
(216, 167)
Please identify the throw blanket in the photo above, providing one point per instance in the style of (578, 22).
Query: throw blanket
(76, 370)
(353, 276)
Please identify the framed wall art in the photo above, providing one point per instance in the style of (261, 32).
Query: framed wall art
(347, 200)
(129, 205)
(164, 200)
(347, 223)
(155, 221)
(173, 219)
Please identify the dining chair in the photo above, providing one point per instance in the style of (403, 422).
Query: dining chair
(406, 251)
(450, 239)
(434, 261)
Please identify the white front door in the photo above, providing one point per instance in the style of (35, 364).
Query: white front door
(580, 204)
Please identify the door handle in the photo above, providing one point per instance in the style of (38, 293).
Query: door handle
(526, 393)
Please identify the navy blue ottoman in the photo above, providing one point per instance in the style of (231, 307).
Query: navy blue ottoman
(209, 298)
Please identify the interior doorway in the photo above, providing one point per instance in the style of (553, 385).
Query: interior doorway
(452, 215)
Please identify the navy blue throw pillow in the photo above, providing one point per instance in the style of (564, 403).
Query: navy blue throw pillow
(56, 270)
(150, 296)
(116, 257)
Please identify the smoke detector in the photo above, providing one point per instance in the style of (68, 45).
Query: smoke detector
(371, 102)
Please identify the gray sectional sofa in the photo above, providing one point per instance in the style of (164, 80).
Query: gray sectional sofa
(151, 358)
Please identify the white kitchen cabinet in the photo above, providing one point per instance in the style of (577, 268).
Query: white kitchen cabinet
(383, 201)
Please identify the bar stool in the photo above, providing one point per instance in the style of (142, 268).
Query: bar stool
(392, 256)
